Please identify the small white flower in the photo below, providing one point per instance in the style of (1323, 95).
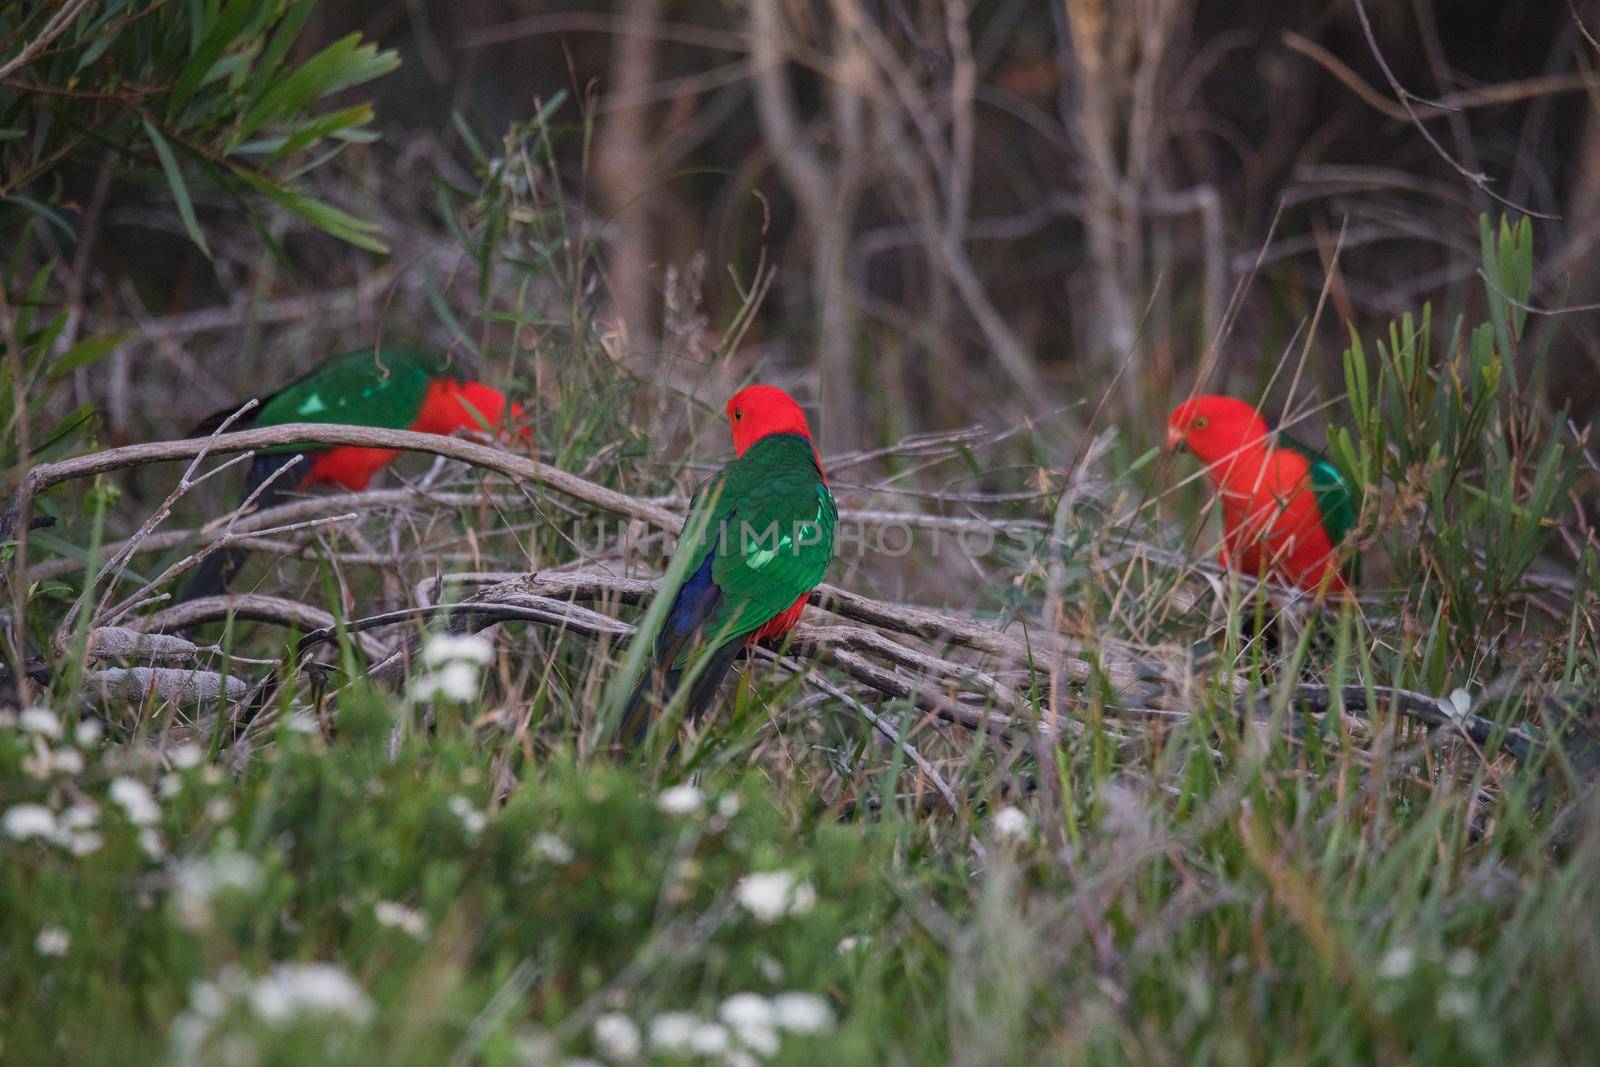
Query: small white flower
(1461, 964)
(291, 991)
(1011, 822)
(728, 805)
(802, 1013)
(581, 1061)
(1397, 962)
(772, 895)
(186, 755)
(762, 1040)
(849, 944)
(80, 817)
(617, 1037)
(680, 800)
(83, 842)
(41, 721)
(746, 1009)
(456, 680)
(709, 1039)
(90, 732)
(67, 761)
(394, 914)
(471, 818)
(300, 722)
(52, 941)
(672, 1032)
(135, 799)
(552, 848)
(197, 881)
(169, 786)
(22, 821)
(1457, 1003)
(449, 648)
(740, 1058)
(154, 845)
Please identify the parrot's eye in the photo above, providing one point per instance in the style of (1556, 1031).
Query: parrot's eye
(738, 413)
(1201, 423)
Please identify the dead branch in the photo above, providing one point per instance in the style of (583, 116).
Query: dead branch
(121, 642)
(279, 611)
(174, 685)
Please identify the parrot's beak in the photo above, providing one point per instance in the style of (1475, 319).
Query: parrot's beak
(1174, 438)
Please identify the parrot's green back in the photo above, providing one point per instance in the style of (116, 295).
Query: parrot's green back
(367, 387)
(767, 534)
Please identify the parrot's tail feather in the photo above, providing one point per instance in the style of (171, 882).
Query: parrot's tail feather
(211, 578)
(657, 688)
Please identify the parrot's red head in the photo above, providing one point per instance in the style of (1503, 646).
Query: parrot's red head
(759, 411)
(1216, 428)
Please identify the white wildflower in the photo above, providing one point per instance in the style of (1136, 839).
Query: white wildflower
(52, 941)
(728, 805)
(1457, 1004)
(617, 1037)
(169, 786)
(471, 818)
(154, 845)
(709, 1039)
(771, 968)
(762, 1040)
(849, 944)
(135, 799)
(291, 991)
(41, 721)
(394, 914)
(553, 848)
(80, 817)
(1011, 822)
(581, 1061)
(300, 722)
(672, 1032)
(46, 761)
(1397, 962)
(1461, 964)
(746, 1009)
(740, 1058)
(186, 755)
(219, 809)
(802, 1013)
(199, 880)
(680, 800)
(772, 895)
(89, 732)
(22, 821)
(450, 648)
(83, 842)
(456, 681)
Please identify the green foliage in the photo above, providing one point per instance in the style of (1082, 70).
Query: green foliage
(1478, 474)
(187, 91)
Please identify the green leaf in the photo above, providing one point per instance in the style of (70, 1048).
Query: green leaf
(180, 190)
(325, 217)
(88, 350)
(322, 126)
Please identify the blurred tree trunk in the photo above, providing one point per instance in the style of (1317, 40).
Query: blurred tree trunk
(622, 168)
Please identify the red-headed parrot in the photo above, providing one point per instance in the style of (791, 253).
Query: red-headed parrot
(391, 388)
(759, 537)
(1286, 511)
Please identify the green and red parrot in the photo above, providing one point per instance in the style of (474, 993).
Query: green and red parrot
(391, 388)
(1286, 510)
(759, 538)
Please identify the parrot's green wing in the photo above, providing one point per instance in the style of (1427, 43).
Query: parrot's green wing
(768, 539)
(1338, 497)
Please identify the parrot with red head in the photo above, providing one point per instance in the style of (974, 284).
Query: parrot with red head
(1286, 511)
(758, 537)
(391, 388)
